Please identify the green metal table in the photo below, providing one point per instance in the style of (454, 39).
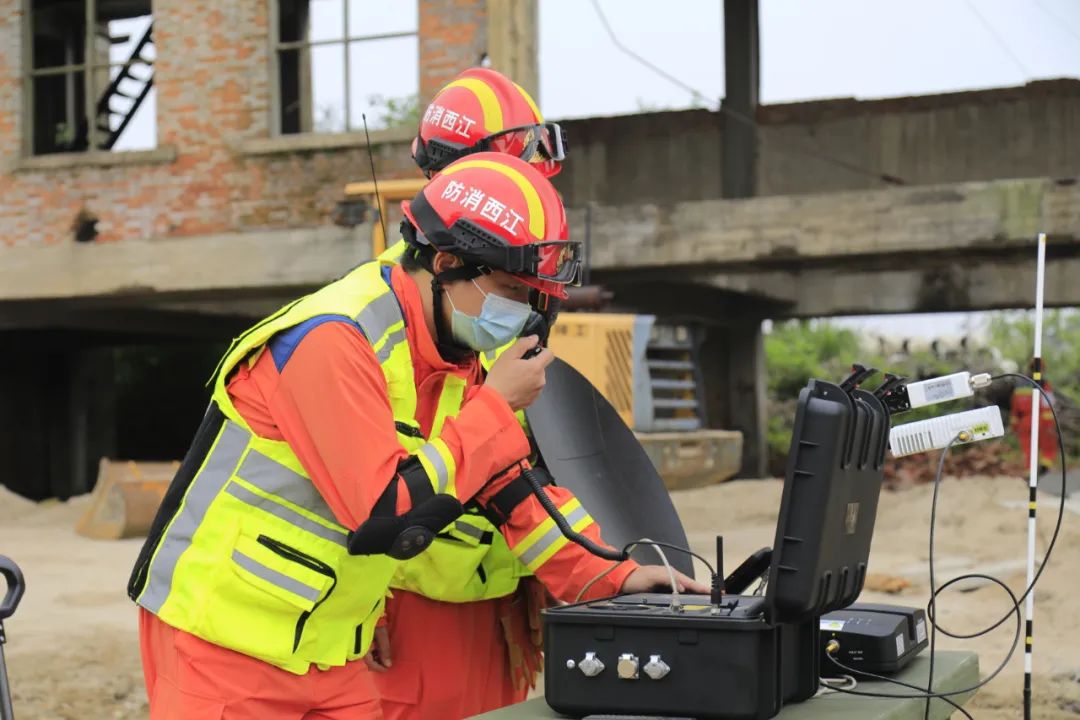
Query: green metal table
(952, 671)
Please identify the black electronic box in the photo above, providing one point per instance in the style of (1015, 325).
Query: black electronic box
(878, 639)
(744, 658)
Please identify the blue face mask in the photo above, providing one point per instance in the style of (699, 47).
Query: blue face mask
(499, 322)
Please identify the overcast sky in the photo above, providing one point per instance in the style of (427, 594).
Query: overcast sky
(810, 49)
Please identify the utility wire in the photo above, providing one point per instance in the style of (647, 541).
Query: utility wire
(1061, 23)
(694, 92)
(699, 96)
(1000, 40)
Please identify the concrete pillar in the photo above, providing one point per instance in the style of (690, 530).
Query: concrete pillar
(56, 420)
(513, 42)
(741, 86)
(733, 366)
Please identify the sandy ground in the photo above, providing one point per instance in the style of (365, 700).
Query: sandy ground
(73, 647)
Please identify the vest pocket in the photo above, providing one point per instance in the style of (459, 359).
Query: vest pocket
(262, 605)
(281, 571)
(313, 564)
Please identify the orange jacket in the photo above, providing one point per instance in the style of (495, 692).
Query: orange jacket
(329, 402)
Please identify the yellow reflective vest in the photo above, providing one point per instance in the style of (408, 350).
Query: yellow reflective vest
(246, 554)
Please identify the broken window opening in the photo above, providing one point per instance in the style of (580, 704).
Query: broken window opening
(91, 76)
(339, 60)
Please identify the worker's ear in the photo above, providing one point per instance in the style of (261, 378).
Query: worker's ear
(445, 261)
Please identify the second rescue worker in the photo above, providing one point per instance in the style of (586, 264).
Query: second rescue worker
(461, 634)
(483, 603)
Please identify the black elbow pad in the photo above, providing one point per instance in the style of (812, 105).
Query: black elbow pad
(405, 536)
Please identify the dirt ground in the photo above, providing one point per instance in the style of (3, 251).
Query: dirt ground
(73, 648)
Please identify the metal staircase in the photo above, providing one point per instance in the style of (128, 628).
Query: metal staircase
(113, 118)
(674, 379)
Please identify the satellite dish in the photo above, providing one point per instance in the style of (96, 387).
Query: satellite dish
(587, 448)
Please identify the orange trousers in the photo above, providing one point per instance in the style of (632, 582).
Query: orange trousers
(450, 660)
(1048, 442)
(191, 679)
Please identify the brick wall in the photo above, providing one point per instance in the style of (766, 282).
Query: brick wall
(453, 36)
(216, 169)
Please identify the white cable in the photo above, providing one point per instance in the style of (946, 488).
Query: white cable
(675, 602)
(849, 683)
(600, 576)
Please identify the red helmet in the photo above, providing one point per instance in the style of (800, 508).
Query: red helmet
(482, 110)
(497, 212)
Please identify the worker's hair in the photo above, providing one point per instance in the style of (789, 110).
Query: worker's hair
(417, 256)
(411, 261)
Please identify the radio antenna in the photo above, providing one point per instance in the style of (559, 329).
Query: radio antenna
(375, 181)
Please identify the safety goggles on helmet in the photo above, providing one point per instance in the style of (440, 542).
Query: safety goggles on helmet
(555, 261)
(542, 145)
(537, 144)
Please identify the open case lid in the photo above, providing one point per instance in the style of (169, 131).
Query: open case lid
(588, 449)
(831, 489)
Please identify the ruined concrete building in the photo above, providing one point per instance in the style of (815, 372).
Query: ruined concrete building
(172, 169)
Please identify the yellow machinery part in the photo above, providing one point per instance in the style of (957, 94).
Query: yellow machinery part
(600, 347)
(125, 499)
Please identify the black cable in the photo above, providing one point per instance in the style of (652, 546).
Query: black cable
(1057, 19)
(564, 527)
(629, 546)
(1061, 511)
(594, 548)
(1060, 517)
(697, 94)
(933, 583)
(738, 116)
(963, 691)
(599, 550)
(863, 673)
(1000, 40)
(936, 591)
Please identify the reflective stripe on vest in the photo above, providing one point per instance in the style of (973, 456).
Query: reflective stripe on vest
(383, 325)
(223, 458)
(253, 559)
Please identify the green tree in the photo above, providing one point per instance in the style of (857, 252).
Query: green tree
(1012, 333)
(798, 350)
(395, 112)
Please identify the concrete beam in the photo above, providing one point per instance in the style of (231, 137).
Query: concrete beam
(217, 266)
(788, 232)
(854, 288)
(144, 323)
(950, 286)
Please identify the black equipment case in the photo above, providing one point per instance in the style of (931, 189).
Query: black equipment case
(747, 657)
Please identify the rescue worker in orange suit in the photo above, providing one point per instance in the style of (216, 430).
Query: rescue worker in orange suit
(1020, 411)
(341, 430)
